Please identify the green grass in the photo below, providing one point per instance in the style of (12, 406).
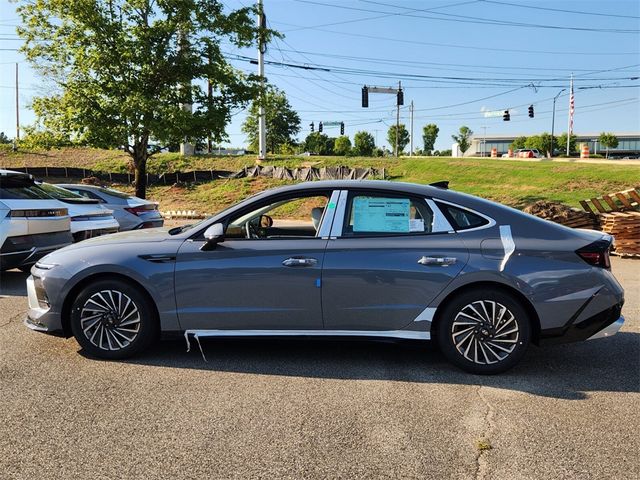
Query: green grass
(516, 183)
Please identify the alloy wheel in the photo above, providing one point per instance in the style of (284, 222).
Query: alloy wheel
(485, 332)
(110, 320)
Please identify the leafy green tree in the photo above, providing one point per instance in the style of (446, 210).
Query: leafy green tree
(403, 137)
(429, 135)
(328, 146)
(463, 139)
(124, 70)
(518, 143)
(540, 142)
(608, 140)
(316, 142)
(561, 144)
(4, 139)
(363, 144)
(342, 145)
(283, 123)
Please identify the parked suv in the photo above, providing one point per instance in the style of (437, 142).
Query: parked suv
(131, 212)
(32, 223)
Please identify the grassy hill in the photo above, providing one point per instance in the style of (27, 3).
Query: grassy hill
(516, 183)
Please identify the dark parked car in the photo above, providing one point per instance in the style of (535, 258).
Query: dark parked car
(339, 258)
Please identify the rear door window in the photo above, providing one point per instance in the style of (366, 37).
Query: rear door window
(386, 214)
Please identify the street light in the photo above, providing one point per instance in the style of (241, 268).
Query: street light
(553, 118)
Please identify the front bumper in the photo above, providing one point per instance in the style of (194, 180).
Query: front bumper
(40, 316)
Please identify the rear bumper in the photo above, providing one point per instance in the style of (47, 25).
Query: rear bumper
(603, 324)
(31, 248)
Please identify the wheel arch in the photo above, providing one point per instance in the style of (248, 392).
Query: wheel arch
(524, 301)
(84, 282)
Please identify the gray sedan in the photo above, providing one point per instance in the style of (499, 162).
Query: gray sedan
(340, 258)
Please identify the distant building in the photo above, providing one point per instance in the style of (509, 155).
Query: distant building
(628, 145)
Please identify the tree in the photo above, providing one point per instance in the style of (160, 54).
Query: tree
(539, 142)
(561, 144)
(429, 135)
(463, 139)
(124, 70)
(363, 144)
(282, 121)
(342, 145)
(518, 143)
(403, 137)
(608, 140)
(4, 139)
(316, 142)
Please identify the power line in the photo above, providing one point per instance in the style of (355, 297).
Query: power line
(468, 19)
(466, 47)
(576, 12)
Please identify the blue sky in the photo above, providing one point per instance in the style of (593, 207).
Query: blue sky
(463, 60)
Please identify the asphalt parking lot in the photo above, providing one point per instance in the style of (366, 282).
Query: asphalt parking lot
(316, 409)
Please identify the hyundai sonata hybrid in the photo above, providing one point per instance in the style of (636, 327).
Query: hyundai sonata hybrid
(340, 259)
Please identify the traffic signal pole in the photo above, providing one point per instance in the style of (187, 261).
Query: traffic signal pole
(397, 119)
(411, 127)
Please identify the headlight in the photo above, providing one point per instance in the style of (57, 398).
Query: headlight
(45, 266)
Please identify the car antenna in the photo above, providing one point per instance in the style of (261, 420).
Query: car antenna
(441, 184)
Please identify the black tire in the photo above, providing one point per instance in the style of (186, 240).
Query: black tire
(482, 348)
(126, 320)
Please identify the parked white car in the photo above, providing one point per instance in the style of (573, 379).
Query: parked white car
(88, 217)
(32, 223)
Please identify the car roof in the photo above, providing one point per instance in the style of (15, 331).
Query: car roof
(364, 184)
(12, 173)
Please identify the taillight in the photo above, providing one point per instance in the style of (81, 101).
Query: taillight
(596, 254)
(141, 208)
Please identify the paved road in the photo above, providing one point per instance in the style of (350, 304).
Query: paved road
(316, 409)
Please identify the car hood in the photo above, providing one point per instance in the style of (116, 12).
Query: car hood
(132, 236)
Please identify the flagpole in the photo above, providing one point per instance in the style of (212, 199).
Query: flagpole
(571, 109)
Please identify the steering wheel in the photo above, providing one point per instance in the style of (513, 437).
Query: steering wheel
(251, 230)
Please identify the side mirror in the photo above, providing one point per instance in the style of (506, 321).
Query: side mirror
(213, 235)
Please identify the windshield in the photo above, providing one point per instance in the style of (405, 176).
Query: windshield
(58, 192)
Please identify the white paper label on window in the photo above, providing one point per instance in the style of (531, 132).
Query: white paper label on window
(381, 214)
(416, 225)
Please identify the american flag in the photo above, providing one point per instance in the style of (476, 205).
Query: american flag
(571, 107)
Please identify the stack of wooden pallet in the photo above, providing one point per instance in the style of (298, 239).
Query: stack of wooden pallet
(563, 214)
(625, 227)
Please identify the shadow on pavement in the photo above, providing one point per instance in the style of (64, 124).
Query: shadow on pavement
(564, 371)
(13, 283)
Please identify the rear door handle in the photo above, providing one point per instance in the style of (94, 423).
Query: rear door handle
(300, 262)
(437, 261)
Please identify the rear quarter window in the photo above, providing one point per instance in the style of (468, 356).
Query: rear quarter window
(460, 218)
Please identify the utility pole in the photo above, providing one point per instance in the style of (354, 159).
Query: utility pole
(262, 120)
(17, 138)
(397, 119)
(411, 127)
(483, 150)
(553, 118)
(186, 148)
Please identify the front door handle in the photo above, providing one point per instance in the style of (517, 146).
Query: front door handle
(437, 261)
(300, 262)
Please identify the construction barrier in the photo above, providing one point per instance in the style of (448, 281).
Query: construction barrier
(510, 153)
(494, 152)
(584, 151)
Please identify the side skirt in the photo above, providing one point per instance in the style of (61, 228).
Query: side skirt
(403, 334)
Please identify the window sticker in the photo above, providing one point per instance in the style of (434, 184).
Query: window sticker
(381, 214)
(416, 225)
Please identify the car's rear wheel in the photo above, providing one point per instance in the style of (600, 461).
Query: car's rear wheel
(112, 319)
(484, 331)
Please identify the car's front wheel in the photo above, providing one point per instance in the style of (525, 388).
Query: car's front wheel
(112, 319)
(484, 331)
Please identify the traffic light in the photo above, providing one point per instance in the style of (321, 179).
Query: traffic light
(365, 97)
(312, 126)
(530, 111)
(400, 97)
(320, 127)
(341, 128)
(506, 117)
